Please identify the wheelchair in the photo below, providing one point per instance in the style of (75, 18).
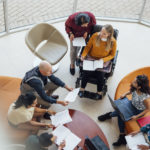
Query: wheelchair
(92, 80)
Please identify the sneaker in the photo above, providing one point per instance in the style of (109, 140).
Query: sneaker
(104, 117)
(121, 141)
(81, 94)
(72, 71)
(97, 96)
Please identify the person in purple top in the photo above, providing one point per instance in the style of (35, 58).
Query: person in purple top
(79, 24)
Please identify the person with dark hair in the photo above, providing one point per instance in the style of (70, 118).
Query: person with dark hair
(41, 142)
(22, 114)
(79, 24)
(140, 92)
(41, 81)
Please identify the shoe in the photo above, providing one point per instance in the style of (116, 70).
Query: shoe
(104, 117)
(47, 116)
(97, 96)
(121, 141)
(55, 96)
(72, 71)
(81, 94)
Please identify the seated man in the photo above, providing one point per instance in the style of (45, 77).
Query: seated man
(145, 129)
(42, 142)
(101, 45)
(140, 91)
(23, 112)
(37, 81)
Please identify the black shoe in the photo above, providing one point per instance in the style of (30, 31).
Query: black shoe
(121, 141)
(47, 116)
(55, 96)
(72, 71)
(81, 94)
(98, 96)
(104, 117)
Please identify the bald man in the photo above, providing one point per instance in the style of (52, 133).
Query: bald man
(42, 82)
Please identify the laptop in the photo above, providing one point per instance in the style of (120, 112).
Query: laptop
(124, 107)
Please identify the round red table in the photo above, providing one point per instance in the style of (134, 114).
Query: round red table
(83, 125)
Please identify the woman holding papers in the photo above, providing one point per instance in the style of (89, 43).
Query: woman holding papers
(101, 46)
(22, 114)
(140, 91)
(78, 25)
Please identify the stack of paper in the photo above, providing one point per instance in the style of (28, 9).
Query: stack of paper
(134, 141)
(61, 118)
(92, 65)
(63, 133)
(80, 41)
(72, 95)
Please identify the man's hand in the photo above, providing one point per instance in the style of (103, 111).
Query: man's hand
(85, 35)
(143, 147)
(71, 37)
(134, 133)
(64, 103)
(49, 125)
(82, 58)
(62, 145)
(68, 88)
(122, 96)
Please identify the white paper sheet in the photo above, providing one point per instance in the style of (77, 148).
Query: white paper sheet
(80, 41)
(61, 118)
(138, 139)
(71, 96)
(70, 138)
(92, 65)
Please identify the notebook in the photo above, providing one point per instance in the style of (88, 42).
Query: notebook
(143, 121)
(124, 107)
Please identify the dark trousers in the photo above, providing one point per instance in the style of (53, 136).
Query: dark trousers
(94, 74)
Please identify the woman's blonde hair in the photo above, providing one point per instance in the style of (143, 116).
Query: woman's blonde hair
(109, 30)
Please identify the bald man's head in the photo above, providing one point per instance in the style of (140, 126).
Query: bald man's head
(45, 68)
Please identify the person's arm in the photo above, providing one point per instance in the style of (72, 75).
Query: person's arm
(125, 94)
(62, 145)
(147, 105)
(39, 124)
(143, 147)
(68, 26)
(112, 52)
(40, 110)
(59, 82)
(88, 47)
(37, 85)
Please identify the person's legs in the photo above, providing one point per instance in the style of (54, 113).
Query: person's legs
(73, 55)
(85, 78)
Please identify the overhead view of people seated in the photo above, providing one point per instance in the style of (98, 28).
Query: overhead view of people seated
(42, 142)
(101, 46)
(140, 102)
(79, 24)
(42, 82)
(22, 114)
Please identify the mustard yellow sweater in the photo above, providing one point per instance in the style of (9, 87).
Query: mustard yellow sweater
(99, 51)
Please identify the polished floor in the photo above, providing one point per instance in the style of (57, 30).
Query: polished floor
(134, 53)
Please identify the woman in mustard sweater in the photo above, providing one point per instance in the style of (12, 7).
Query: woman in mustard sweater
(101, 45)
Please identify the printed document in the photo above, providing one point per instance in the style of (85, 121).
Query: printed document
(92, 65)
(134, 141)
(71, 96)
(79, 41)
(70, 138)
(61, 118)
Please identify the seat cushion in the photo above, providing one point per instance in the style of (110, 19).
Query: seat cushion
(123, 87)
(9, 92)
(52, 52)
